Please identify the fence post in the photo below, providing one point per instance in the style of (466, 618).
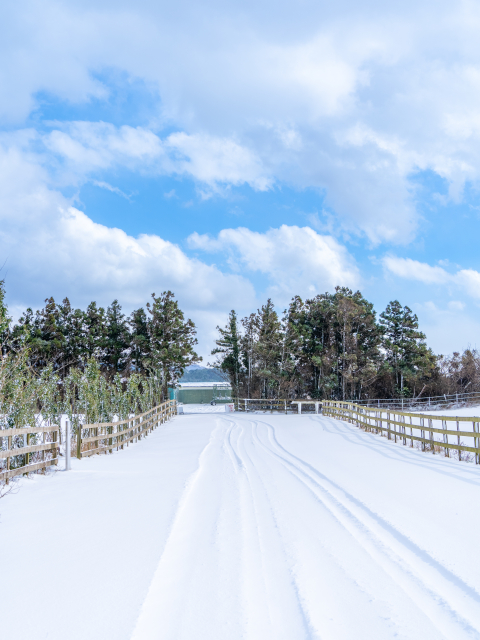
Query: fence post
(9, 446)
(476, 443)
(27, 443)
(57, 450)
(458, 441)
(79, 440)
(68, 436)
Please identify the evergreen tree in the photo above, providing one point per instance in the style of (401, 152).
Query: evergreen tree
(172, 339)
(42, 334)
(140, 347)
(268, 349)
(5, 320)
(116, 339)
(20, 332)
(95, 331)
(309, 345)
(248, 341)
(406, 353)
(73, 327)
(357, 340)
(228, 347)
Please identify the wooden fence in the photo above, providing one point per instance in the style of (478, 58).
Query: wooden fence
(21, 456)
(412, 427)
(278, 405)
(30, 449)
(427, 403)
(104, 437)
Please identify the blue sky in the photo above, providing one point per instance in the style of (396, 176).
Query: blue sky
(235, 151)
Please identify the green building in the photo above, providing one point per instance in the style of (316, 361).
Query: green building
(201, 392)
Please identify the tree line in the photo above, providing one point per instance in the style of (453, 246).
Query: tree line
(333, 346)
(330, 346)
(155, 340)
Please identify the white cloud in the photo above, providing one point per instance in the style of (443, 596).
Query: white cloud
(108, 187)
(456, 305)
(296, 260)
(466, 280)
(87, 147)
(52, 248)
(469, 279)
(350, 98)
(448, 329)
(216, 160)
(415, 270)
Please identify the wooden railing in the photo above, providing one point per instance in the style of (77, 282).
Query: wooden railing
(21, 456)
(264, 404)
(280, 405)
(412, 427)
(30, 449)
(104, 437)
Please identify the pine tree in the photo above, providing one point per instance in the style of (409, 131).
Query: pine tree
(116, 339)
(5, 320)
(95, 331)
(140, 347)
(247, 343)
(72, 323)
(228, 348)
(268, 349)
(295, 365)
(172, 339)
(357, 339)
(405, 350)
(43, 336)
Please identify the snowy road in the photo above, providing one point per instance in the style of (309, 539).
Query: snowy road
(256, 527)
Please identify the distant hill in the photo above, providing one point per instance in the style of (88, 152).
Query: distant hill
(201, 374)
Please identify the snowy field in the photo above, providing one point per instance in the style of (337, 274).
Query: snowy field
(461, 412)
(259, 527)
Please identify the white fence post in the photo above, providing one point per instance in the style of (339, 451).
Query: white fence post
(68, 438)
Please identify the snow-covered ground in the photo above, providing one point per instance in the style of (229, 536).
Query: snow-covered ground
(463, 412)
(260, 527)
(204, 408)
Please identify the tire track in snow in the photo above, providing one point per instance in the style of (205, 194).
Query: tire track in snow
(255, 552)
(194, 526)
(273, 606)
(219, 566)
(244, 588)
(452, 605)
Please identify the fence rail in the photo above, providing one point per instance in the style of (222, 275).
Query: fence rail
(21, 456)
(263, 404)
(29, 449)
(280, 405)
(103, 437)
(405, 424)
(425, 403)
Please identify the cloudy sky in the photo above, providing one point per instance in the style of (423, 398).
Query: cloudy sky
(234, 151)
